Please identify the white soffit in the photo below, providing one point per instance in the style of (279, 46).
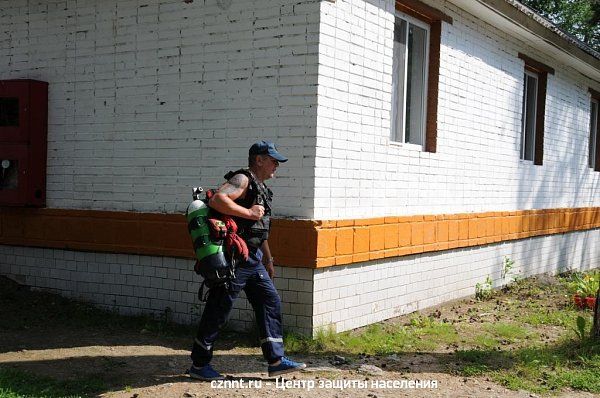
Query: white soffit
(507, 18)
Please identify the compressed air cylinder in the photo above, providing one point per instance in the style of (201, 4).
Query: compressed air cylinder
(209, 254)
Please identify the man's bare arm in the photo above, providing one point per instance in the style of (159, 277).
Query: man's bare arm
(224, 200)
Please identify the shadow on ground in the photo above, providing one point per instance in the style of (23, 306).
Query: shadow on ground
(48, 343)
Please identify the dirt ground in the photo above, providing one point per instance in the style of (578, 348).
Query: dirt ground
(138, 365)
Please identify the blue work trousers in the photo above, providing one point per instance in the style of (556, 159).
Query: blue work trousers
(253, 278)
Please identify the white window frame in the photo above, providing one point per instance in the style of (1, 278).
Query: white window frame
(593, 132)
(525, 116)
(395, 136)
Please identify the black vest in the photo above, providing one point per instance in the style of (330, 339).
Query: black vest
(253, 232)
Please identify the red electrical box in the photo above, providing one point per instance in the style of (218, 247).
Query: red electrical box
(23, 142)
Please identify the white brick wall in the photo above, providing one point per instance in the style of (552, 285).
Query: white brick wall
(149, 98)
(360, 173)
(134, 284)
(360, 294)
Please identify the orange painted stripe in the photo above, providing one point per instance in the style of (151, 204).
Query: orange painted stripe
(105, 231)
(295, 243)
(137, 233)
(398, 236)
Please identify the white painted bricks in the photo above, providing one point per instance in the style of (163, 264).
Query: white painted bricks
(148, 99)
(360, 173)
(359, 294)
(132, 284)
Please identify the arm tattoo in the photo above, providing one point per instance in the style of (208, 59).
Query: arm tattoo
(237, 180)
(235, 183)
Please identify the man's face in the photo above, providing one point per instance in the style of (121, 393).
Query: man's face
(268, 166)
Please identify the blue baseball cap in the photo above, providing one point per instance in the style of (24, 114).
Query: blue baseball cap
(266, 148)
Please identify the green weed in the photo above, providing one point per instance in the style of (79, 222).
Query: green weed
(549, 317)
(485, 340)
(507, 331)
(484, 291)
(581, 328)
(474, 370)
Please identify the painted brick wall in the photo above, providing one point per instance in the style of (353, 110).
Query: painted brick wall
(132, 284)
(360, 294)
(149, 98)
(360, 173)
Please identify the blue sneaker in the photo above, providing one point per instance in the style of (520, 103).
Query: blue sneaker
(205, 373)
(286, 366)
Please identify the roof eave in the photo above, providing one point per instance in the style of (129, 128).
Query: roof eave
(520, 22)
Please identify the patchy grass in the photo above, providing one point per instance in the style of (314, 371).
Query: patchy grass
(484, 340)
(19, 384)
(523, 338)
(508, 332)
(421, 334)
(550, 317)
(543, 369)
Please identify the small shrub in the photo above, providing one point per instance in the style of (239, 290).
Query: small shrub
(507, 266)
(484, 291)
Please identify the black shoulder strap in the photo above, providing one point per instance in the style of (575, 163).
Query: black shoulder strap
(245, 172)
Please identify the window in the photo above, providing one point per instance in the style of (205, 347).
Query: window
(535, 81)
(594, 150)
(529, 116)
(416, 69)
(409, 80)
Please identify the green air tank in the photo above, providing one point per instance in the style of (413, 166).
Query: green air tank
(209, 253)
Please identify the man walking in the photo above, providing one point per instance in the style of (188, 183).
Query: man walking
(246, 198)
